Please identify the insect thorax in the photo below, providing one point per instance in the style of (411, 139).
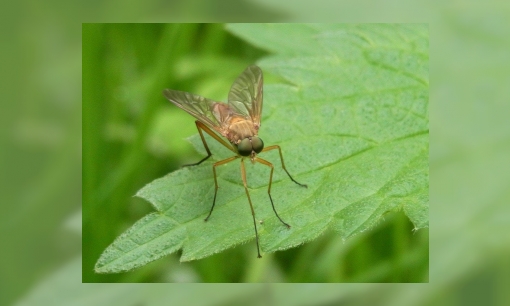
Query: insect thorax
(239, 129)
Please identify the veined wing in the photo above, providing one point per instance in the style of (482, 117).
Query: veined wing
(205, 110)
(245, 96)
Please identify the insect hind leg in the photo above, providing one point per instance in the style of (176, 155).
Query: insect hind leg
(202, 127)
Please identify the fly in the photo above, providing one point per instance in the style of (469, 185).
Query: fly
(239, 122)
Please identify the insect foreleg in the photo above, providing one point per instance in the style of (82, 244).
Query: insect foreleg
(243, 175)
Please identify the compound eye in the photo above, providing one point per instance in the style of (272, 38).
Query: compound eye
(257, 144)
(244, 147)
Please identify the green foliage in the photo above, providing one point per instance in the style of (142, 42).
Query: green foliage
(350, 111)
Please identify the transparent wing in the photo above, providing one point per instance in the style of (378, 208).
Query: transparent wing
(199, 107)
(245, 96)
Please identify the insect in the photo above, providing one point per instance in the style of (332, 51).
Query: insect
(239, 122)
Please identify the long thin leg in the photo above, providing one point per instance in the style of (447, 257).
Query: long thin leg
(283, 163)
(202, 127)
(265, 162)
(221, 162)
(243, 175)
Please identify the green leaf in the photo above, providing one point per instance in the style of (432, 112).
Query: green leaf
(351, 116)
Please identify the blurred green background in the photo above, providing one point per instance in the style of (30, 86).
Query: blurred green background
(41, 185)
(133, 135)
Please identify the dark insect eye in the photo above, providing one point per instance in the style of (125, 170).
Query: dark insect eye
(257, 144)
(244, 147)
